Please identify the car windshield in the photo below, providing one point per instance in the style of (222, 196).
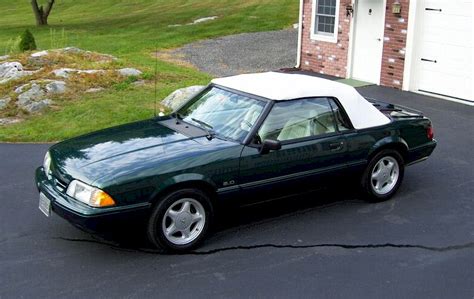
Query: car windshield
(227, 114)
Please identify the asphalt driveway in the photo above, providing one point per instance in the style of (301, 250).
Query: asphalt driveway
(420, 244)
(242, 53)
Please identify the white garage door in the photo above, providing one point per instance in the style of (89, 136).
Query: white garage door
(443, 48)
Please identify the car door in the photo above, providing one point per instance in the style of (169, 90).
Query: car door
(311, 148)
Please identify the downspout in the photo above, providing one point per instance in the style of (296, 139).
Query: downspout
(300, 33)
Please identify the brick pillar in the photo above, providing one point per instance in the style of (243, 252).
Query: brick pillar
(395, 36)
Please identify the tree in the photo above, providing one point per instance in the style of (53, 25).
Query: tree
(27, 42)
(42, 14)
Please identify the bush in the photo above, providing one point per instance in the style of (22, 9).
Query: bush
(27, 42)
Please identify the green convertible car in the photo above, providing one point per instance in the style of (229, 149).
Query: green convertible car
(243, 139)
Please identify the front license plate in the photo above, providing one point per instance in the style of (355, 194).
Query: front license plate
(45, 205)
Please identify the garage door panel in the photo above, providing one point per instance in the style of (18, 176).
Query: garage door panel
(449, 58)
(461, 39)
(443, 60)
(460, 8)
(445, 22)
(445, 84)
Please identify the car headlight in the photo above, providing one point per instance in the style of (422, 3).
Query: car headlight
(89, 195)
(47, 163)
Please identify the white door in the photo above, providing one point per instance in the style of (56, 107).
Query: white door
(443, 48)
(368, 40)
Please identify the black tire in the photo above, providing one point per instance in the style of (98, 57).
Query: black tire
(155, 228)
(367, 183)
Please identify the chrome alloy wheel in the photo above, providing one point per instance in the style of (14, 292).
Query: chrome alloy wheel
(183, 221)
(385, 175)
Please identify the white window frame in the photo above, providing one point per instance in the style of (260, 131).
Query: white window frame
(324, 37)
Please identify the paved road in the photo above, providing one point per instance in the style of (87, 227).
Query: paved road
(418, 245)
(242, 53)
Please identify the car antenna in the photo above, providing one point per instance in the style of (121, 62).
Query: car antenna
(156, 75)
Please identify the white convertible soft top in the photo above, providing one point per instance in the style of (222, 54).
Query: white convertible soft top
(284, 86)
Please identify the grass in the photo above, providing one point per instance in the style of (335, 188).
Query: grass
(130, 30)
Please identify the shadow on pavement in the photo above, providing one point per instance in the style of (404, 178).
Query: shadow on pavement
(131, 235)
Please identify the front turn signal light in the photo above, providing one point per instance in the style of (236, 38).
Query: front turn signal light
(101, 199)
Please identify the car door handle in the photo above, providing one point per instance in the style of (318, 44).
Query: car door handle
(336, 146)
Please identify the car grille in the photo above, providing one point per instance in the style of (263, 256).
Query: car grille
(60, 185)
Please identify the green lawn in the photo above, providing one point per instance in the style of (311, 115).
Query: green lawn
(130, 30)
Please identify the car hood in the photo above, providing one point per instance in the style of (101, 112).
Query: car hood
(117, 150)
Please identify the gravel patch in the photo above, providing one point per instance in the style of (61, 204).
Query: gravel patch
(242, 53)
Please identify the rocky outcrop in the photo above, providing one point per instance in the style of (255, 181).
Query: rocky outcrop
(65, 72)
(95, 89)
(35, 93)
(56, 87)
(127, 72)
(11, 71)
(9, 120)
(53, 79)
(4, 102)
(37, 106)
(180, 96)
(34, 99)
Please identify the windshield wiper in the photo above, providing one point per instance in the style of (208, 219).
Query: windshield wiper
(204, 126)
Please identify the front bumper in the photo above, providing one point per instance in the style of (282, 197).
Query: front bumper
(82, 215)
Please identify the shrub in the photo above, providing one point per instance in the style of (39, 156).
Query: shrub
(27, 42)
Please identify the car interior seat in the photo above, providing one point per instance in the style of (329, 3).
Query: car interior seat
(296, 127)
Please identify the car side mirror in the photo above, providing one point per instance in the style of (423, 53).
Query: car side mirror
(269, 145)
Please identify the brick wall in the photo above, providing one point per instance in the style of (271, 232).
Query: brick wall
(331, 58)
(395, 36)
(325, 57)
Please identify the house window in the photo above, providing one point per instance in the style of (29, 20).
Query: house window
(325, 19)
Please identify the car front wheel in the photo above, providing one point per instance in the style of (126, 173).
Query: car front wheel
(383, 175)
(180, 221)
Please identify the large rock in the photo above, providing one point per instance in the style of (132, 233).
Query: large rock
(95, 89)
(73, 50)
(4, 57)
(9, 120)
(35, 93)
(40, 54)
(56, 87)
(65, 72)
(4, 102)
(10, 70)
(180, 96)
(139, 83)
(90, 71)
(37, 106)
(21, 88)
(129, 72)
(39, 59)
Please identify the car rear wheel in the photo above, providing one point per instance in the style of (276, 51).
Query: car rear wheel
(180, 221)
(383, 176)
